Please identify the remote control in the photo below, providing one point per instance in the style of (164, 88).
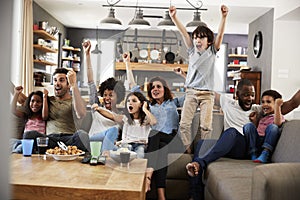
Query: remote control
(94, 161)
(102, 160)
(86, 159)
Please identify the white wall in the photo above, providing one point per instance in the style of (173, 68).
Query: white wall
(103, 64)
(283, 7)
(285, 62)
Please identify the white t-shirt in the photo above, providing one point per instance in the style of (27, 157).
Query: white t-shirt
(135, 132)
(100, 123)
(234, 115)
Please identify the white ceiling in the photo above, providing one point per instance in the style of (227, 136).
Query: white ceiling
(88, 13)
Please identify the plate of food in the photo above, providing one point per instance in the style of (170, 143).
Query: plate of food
(65, 155)
(115, 155)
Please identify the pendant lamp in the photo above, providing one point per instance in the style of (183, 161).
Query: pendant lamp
(191, 26)
(96, 50)
(166, 23)
(138, 21)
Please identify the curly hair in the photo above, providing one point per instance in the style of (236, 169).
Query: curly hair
(142, 115)
(167, 95)
(28, 111)
(112, 84)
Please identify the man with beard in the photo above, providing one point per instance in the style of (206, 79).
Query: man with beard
(66, 109)
(232, 142)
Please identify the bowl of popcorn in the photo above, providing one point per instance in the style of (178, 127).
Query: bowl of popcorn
(65, 155)
(115, 155)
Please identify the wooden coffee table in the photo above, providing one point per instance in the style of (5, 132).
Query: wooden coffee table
(32, 177)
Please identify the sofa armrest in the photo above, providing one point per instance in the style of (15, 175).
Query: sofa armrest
(276, 181)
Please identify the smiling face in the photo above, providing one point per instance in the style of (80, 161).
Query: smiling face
(110, 99)
(158, 91)
(61, 86)
(133, 105)
(246, 97)
(268, 103)
(35, 103)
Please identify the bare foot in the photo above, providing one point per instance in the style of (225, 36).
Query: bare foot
(192, 169)
(149, 172)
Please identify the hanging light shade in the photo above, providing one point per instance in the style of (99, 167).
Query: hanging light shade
(191, 26)
(166, 23)
(110, 20)
(96, 50)
(138, 21)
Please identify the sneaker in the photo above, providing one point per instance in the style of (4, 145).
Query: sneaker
(263, 158)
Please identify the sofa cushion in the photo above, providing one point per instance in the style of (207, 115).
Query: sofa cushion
(229, 179)
(285, 150)
(276, 181)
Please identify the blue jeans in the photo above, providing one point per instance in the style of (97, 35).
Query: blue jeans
(107, 137)
(80, 139)
(231, 144)
(256, 142)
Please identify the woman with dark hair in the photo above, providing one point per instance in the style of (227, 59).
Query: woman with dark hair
(163, 132)
(112, 93)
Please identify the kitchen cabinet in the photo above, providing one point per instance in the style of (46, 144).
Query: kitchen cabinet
(255, 78)
(71, 57)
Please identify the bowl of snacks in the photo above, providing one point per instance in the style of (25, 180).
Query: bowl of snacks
(71, 153)
(115, 155)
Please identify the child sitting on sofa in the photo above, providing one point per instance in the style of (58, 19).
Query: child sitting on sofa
(34, 112)
(264, 128)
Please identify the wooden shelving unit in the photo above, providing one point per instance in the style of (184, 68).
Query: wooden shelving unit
(151, 66)
(68, 59)
(42, 62)
(44, 48)
(44, 35)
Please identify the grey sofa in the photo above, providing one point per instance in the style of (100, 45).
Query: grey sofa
(238, 179)
(242, 179)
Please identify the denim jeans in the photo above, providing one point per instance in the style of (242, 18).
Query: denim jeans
(231, 144)
(80, 139)
(256, 142)
(107, 137)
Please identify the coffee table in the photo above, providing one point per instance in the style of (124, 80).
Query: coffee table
(32, 177)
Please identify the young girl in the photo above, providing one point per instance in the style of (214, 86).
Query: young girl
(34, 112)
(136, 121)
(264, 130)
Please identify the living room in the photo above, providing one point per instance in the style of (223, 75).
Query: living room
(278, 62)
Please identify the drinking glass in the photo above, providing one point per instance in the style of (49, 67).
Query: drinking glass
(27, 145)
(95, 148)
(124, 157)
(42, 144)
